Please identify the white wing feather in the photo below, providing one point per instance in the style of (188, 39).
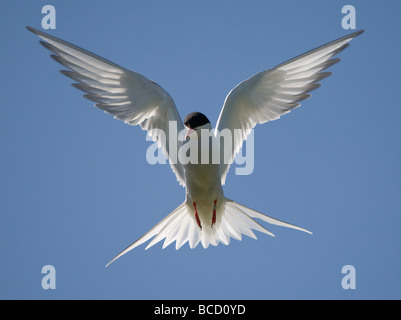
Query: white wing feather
(270, 94)
(127, 95)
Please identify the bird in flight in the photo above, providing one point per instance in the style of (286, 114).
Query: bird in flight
(206, 216)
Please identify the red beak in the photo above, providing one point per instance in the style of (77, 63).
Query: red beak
(189, 133)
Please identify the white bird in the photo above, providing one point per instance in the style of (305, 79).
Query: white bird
(206, 215)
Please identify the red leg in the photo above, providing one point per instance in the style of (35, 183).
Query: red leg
(197, 216)
(214, 212)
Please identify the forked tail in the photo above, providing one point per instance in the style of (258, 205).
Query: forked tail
(180, 226)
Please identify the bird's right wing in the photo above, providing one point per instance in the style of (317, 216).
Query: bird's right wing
(127, 95)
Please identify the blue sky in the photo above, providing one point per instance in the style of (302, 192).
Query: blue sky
(76, 188)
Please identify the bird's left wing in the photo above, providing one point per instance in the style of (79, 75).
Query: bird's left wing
(270, 94)
(127, 95)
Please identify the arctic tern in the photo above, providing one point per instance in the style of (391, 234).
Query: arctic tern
(206, 215)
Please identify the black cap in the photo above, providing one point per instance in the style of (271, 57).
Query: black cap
(195, 120)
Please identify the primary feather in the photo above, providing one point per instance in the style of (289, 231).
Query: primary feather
(270, 94)
(127, 95)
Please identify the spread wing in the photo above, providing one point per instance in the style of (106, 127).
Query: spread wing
(270, 94)
(127, 95)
